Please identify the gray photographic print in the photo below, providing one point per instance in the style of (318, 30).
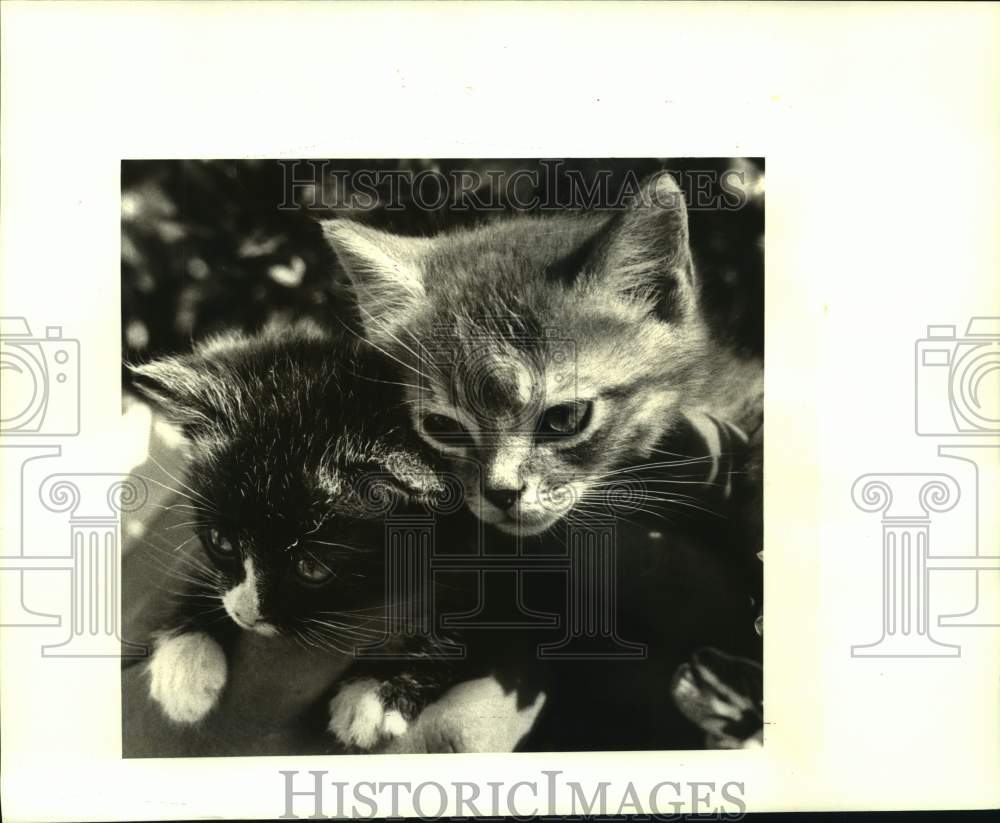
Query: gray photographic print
(449, 455)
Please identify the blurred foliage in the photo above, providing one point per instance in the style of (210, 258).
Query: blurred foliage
(222, 244)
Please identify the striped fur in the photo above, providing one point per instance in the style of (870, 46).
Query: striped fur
(498, 324)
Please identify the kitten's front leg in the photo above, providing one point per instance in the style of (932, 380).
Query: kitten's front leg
(187, 675)
(361, 716)
(370, 709)
(187, 670)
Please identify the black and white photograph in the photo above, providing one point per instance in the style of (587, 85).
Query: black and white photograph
(450, 455)
(421, 410)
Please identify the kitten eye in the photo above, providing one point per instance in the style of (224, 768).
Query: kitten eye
(218, 543)
(447, 429)
(566, 418)
(312, 571)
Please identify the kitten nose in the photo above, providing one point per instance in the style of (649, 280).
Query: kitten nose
(503, 498)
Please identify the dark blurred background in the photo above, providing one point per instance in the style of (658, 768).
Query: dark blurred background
(222, 244)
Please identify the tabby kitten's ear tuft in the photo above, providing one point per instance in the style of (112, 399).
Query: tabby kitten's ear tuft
(178, 388)
(647, 252)
(385, 272)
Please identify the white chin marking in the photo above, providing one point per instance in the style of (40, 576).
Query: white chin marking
(358, 717)
(187, 674)
(242, 603)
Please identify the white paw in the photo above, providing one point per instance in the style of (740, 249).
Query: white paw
(359, 718)
(188, 672)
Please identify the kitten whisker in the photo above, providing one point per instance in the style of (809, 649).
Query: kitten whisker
(173, 506)
(384, 352)
(186, 578)
(171, 489)
(673, 501)
(185, 485)
(638, 489)
(187, 569)
(663, 481)
(601, 512)
(658, 498)
(319, 642)
(336, 636)
(712, 456)
(386, 330)
(194, 596)
(175, 552)
(368, 608)
(336, 545)
(357, 631)
(173, 526)
(637, 469)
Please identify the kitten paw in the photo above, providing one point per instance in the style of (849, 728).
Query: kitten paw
(187, 674)
(358, 717)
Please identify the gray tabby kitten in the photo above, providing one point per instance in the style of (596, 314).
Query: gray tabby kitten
(542, 355)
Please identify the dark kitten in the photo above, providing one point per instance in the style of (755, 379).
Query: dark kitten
(289, 445)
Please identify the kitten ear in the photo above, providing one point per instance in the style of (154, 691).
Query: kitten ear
(179, 388)
(646, 252)
(384, 270)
